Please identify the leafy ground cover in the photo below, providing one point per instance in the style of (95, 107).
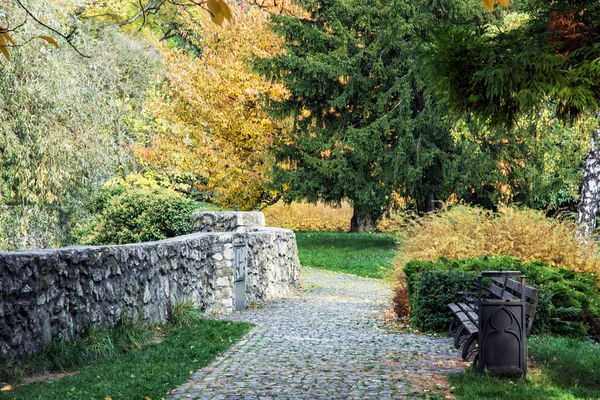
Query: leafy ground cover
(568, 369)
(363, 254)
(148, 372)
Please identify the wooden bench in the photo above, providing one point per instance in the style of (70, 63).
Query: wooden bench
(502, 288)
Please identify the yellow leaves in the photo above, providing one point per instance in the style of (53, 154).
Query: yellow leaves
(6, 388)
(325, 154)
(212, 121)
(469, 232)
(7, 37)
(219, 11)
(489, 4)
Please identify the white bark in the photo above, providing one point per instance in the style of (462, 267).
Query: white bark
(590, 189)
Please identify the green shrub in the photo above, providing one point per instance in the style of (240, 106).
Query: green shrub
(136, 210)
(432, 291)
(568, 304)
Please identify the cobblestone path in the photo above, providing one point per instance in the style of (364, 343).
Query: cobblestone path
(323, 342)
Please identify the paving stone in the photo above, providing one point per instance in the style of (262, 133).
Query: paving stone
(322, 342)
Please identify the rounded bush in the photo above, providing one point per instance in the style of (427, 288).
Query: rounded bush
(132, 213)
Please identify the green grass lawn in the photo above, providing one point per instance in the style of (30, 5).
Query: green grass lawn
(569, 370)
(362, 254)
(150, 371)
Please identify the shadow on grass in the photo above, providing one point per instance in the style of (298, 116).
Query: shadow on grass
(568, 369)
(151, 371)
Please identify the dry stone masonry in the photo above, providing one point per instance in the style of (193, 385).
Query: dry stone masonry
(226, 221)
(55, 293)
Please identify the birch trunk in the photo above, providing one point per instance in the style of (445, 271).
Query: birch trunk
(590, 189)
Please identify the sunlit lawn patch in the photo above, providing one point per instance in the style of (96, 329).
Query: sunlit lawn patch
(363, 254)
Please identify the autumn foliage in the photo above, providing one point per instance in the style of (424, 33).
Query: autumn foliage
(210, 122)
(470, 232)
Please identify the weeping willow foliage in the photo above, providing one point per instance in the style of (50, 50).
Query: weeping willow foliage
(65, 124)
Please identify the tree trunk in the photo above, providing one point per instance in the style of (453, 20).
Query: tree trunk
(429, 204)
(361, 220)
(590, 189)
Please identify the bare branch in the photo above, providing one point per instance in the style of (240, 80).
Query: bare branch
(14, 29)
(67, 38)
(152, 5)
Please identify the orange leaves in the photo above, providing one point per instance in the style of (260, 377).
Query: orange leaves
(214, 124)
(3, 46)
(489, 4)
(4, 38)
(49, 40)
(568, 29)
(7, 41)
(219, 11)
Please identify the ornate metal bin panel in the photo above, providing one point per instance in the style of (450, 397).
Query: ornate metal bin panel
(239, 278)
(502, 341)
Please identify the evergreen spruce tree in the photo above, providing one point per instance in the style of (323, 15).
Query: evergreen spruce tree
(547, 53)
(362, 125)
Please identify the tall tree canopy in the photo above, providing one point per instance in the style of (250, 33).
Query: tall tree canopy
(363, 127)
(547, 53)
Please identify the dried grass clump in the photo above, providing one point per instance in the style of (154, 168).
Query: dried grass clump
(309, 217)
(322, 217)
(468, 232)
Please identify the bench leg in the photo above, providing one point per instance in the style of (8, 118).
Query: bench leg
(470, 348)
(458, 336)
(451, 327)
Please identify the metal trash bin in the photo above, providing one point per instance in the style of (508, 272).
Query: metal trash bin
(501, 338)
(239, 278)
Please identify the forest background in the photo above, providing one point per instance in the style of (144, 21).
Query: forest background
(323, 101)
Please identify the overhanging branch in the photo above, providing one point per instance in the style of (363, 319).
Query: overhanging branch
(68, 37)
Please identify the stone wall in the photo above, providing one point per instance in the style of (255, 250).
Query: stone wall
(223, 221)
(48, 294)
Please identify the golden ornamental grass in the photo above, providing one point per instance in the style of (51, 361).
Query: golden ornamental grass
(309, 217)
(323, 217)
(468, 232)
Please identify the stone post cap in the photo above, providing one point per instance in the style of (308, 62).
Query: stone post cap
(226, 221)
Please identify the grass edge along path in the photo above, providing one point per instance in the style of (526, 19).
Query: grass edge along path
(567, 369)
(149, 372)
(368, 255)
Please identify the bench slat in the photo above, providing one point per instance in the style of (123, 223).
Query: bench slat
(465, 313)
(530, 291)
(471, 327)
(466, 307)
(509, 296)
(496, 290)
(455, 309)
